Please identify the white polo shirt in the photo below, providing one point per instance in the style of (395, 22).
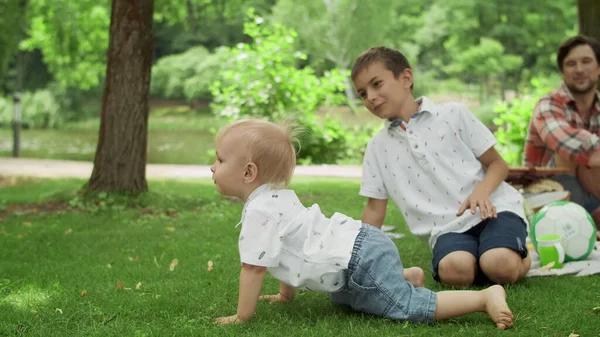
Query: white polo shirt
(430, 169)
(298, 245)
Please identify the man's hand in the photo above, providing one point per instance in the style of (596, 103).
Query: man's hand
(479, 198)
(225, 320)
(274, 298)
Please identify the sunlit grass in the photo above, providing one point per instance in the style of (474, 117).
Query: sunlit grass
(75, 272)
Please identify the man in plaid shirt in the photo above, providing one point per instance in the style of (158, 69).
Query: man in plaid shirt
(565, 128)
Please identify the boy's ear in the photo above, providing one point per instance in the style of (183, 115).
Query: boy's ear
(407, 76)
(250, 173)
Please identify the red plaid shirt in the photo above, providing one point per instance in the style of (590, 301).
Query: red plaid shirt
(556, 127)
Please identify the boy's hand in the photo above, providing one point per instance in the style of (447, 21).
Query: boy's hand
(228, 320)
(479, 198)
(274, 298)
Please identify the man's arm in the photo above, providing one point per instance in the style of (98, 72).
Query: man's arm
(374, 212)
(572, 144)
(594, 159)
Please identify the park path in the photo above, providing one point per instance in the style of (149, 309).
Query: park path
(48, 168)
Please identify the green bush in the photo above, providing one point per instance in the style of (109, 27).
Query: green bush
(512, 119)
(331, 142)
(262, 79)
(38, 110)
(77, 104)
(187, 75)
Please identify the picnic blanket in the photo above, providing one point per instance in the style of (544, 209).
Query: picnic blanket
(590, 266)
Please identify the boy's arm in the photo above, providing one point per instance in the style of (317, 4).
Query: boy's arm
(496, 173)
(251, 281)
(286, 294)
(374, 212)
(497, 170)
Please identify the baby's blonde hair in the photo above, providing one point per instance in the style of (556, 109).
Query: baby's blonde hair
(268, 145)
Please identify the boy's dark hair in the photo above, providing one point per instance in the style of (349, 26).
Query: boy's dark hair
(393, 60)
(568, 45)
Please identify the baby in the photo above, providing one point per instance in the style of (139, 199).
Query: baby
(356, 263)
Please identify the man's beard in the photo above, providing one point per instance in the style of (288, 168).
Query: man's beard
(589, 88)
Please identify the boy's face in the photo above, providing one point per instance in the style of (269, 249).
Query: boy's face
(384, 95)
(229, 167)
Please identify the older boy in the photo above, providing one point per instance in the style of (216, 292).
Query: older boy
(439, 166)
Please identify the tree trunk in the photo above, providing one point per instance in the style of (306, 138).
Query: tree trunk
(589, 17)
(120, 161)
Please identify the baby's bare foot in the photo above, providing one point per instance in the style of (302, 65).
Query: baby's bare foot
(415, 275)
(497, 308)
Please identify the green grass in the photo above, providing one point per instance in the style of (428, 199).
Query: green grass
(47, 260)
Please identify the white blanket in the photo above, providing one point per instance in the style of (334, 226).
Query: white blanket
(590, 266)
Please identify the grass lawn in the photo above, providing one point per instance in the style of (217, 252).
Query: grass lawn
(69, 267)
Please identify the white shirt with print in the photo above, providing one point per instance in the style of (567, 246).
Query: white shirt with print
(430, 168)
(298, 245)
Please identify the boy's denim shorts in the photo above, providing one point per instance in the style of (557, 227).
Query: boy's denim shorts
(375, 282)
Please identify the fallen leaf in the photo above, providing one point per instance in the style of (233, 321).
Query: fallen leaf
(596, 309)
(173, 264)
(59, 310)
(175, 292)
(210, 265)
(27, 224)
(137, 259)
(171, 229)
(548, 266)
(138, 285)
(156, 262)
(109, 265)
(68, 231)
(83, 292)
(120, 285)
(20, 236)
(573, 335)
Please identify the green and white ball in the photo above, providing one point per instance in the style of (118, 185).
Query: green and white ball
(572, 222)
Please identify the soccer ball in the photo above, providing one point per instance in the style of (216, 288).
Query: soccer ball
(572, 222)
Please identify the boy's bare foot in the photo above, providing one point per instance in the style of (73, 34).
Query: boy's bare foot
(415, 275)
(497, 308)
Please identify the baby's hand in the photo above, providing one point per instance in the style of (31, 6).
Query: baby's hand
(274, 298)
(228, 320)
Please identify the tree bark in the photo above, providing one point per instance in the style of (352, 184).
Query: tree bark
(589, 17)
(121, 155)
